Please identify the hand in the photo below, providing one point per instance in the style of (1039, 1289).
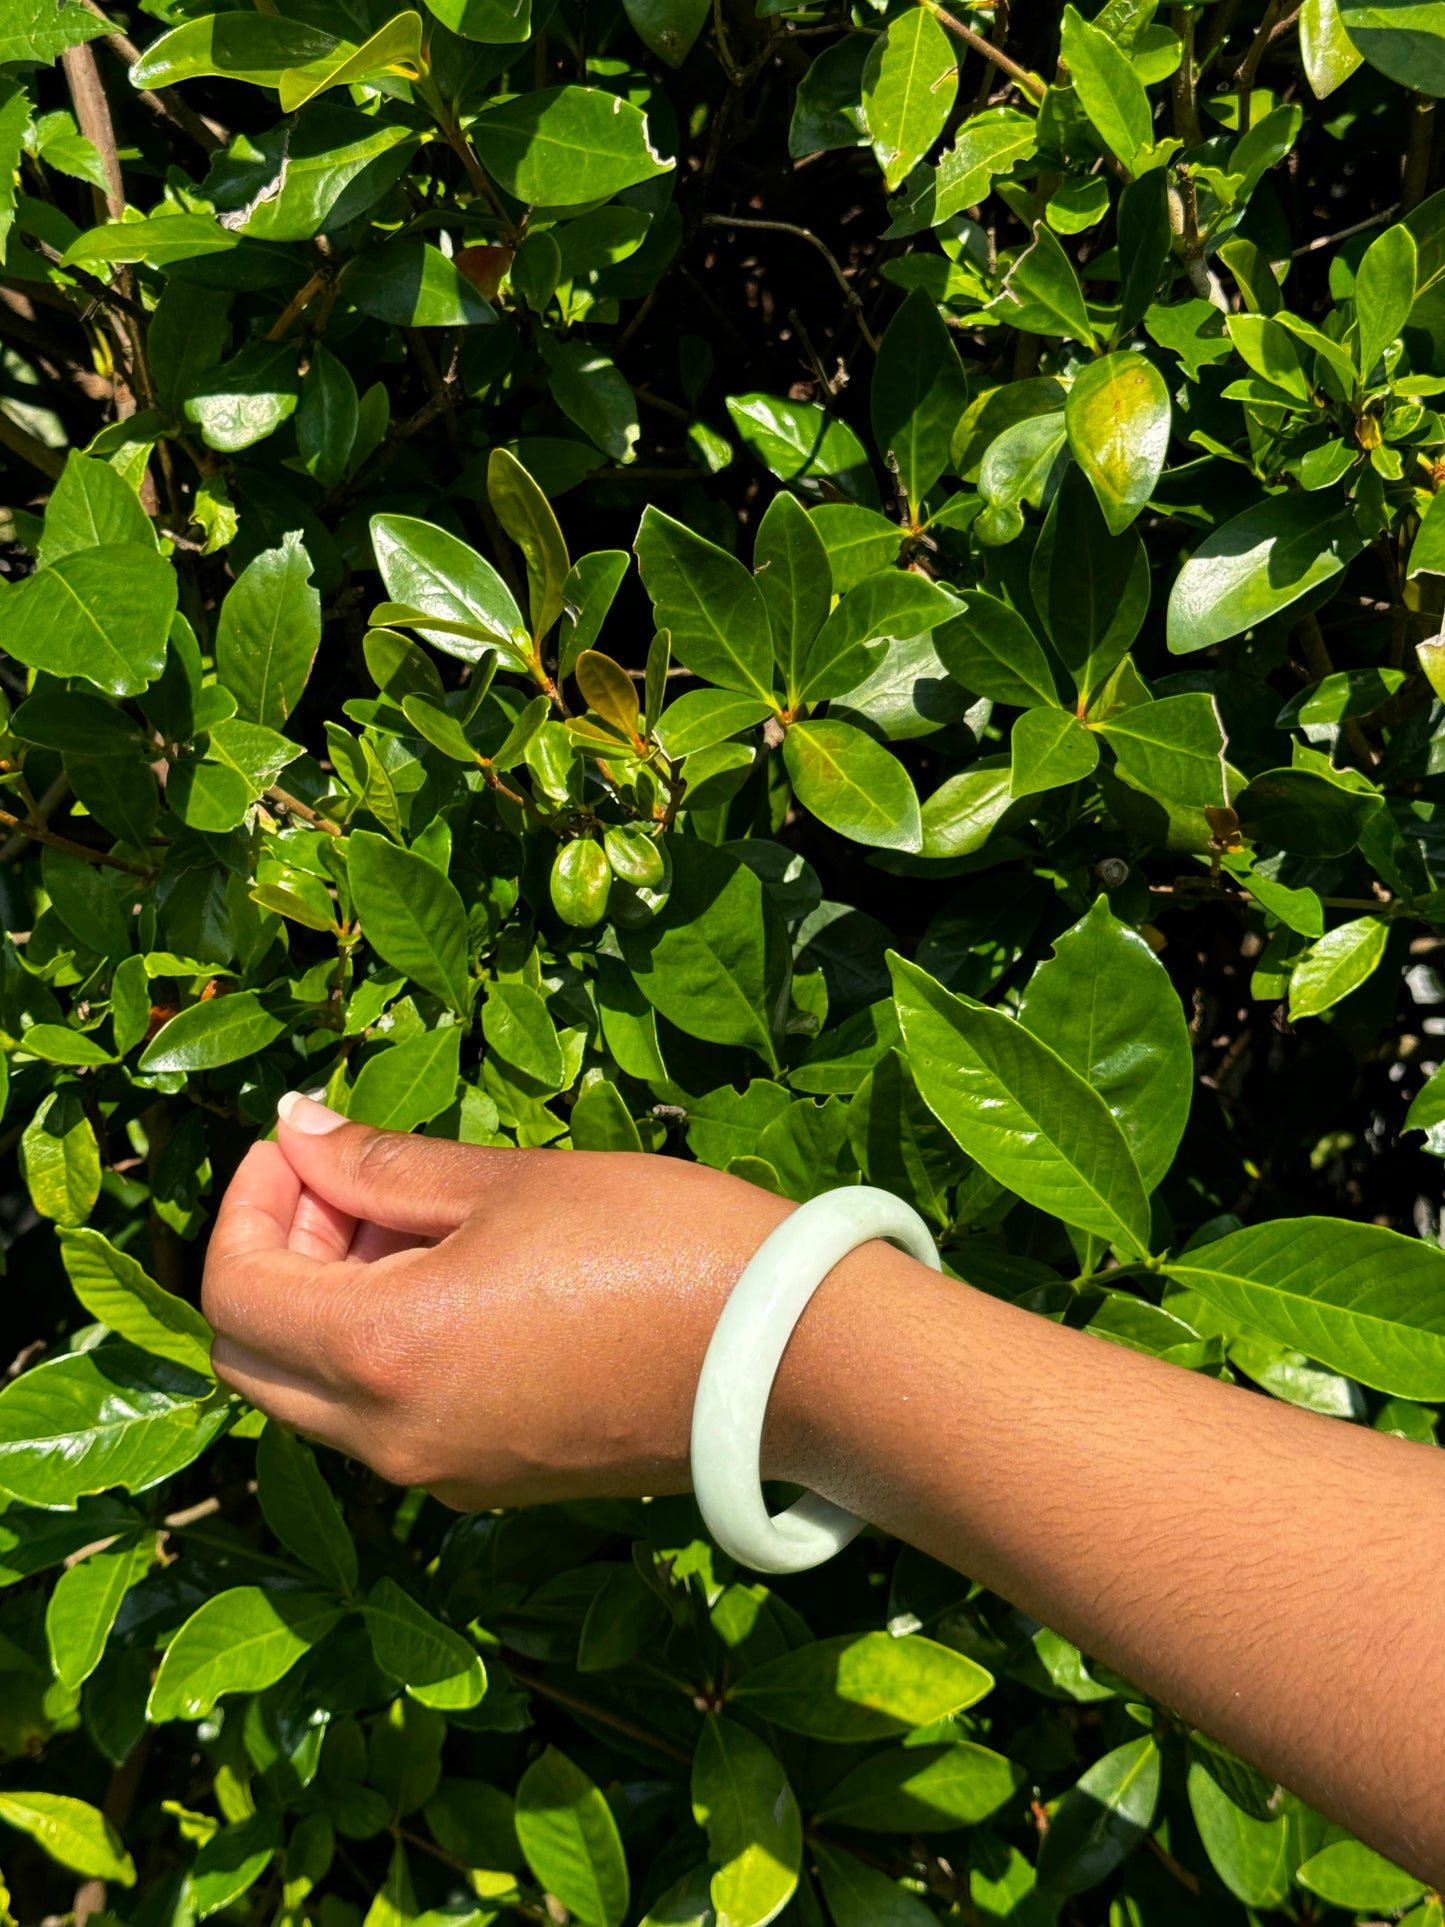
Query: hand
(502, 1327)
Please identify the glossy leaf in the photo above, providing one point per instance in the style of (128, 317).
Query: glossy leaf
(919, 390)
(1338, 963)
(526, 515)
(571, 1840)
(412, 916)
(991, 650)
(709, 604)
(791, 566)
(268, 633)
(79, 1836)
(118, 1291)
(909, 84)
(1257, 565)
(1118, 421)
(562, 146)
(1172, 749)
(207, 1035)
(83, 1607)
(922, 1789)
(430, 570)
(853, 785)
(101, 613)
(301, 1509)
(436, 1665)
(1102, 1818)
(741, 1795)
(1048, 749)
(240, 1641)
(868, 1687)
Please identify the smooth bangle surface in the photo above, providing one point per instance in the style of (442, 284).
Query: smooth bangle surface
(742, 1361)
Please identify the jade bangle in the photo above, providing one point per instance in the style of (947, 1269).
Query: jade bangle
(742, 1361)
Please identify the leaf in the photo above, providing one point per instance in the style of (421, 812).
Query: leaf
(410, 1083)
(1049, 748)
(714, 960)
(1105, 1004)
(1348, 692)
(668, 28)
(268, 632)
(608, 691)
(706, 716)
(1340, 962)
(410, 283)
(860, 1896)
(864, 1686)
(240, 1641)
(988, 143)
(254, 47)
(411, 915)
(1118, 418)
(1328, 53)
(82, 1608)
(923, 1789)
(300, 1508)
(802, 444)
(1304, 812)
(1109, 90)
(32, 1540)
(1258, 564)
(1384, 289)
(709, 604)
(992, 651)
(1173, 748)
(233, 1859)
(78, 1836)
(854, 785)
(561, 146)
(1362, 1300)
(919, 390)
(114, 1288)
(517, 1028)
(571, 1840)
(328, 418)
(101, 613)
(963, 813)
(436, 1665)
(109, 1416)
(1402, 38)
(395, 48)
(59, 1044)
(741, 1794)
(247, 398)
(910, 81)
(1250, 1855)
(1091, 588)
(1042, 294)
(1349, 1874)
(1020, 1111)
(592, 391)
(222, 1030)
(790, 566)
(1102, 1818)
(60, 1160)
(890, 606)
(526, 514)
(78, 725)
(90, 508)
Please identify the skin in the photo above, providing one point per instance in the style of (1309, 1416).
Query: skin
(509, 1327)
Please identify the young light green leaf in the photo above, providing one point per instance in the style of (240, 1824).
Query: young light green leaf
(1328, 53)
(1118, 418)
(1340, 962)
(301, 1509)
(790, 565)
(1048, 749)
(909, 84)
(1384, 293)
(571, 1840)
(82, 1609)
(78, 1836)
(863, 1686)
(91, 507)
(1250, 1855)
(268, 632)
(922, 1789)
(1110, 91)
(741, 1794)
(60, 1159)
(240, 1641)
(1033, 1123)
(101, 613)
(221, 1030)
(437, 1666)
(117, 1291)
(410, 1083)
(854, 785)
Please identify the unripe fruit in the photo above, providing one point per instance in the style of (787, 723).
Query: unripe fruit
(581, 883)
(634, 856)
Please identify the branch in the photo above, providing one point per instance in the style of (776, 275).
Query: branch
(19, 441)
(92, 112)
(305, 294)
(82, 277)
(1186, 105)
(803, 234)
(1415, 182)
(164, 101)
(1270, 29)
(295, 807)
(1019, 75)
(39, 833)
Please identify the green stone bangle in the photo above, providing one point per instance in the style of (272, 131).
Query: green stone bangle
(742, 1361)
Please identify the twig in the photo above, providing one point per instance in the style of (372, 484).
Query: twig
(295, 807)
(305, 294)
(98, 290)
(1344, 233)
(1320, 663)
(803, 234)
(41, 833)
(603, 1715)
(19, 441)
(49, 802)
(1019, 75)
(1270, 29)
(165, 101)
(92, 112)
(1186, 105)
(1415, 181)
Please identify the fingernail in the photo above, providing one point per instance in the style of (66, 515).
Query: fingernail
(298, 1112)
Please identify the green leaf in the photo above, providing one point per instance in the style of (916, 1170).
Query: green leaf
(59, 1044)
(571, 1840)
(992, 651)
(1362, 1300)
(1102, 1818)
(1385, 289)
(1049, 748)
(963, 813)
(60, 1160)
(668, 28)
(1250, 1855)
(863, 1686)
(410, 283)
(32, 1540)
(268, 632)
(1340, 962)
(240, 1641)
(101, 613)
(254, 47)
(1348, 692)
(91, 508)
(1328, 53)
(516, 1026)
(300, 1508)
(592, 391)
(1402, 38)
(741, 1794)
(790, 565)
(222, 1030)
(526, 514)
(919, 390)
(395, 49)
(581, 883)
(1033, 1123)
(410, 1083)
(1118, 419)
(1091, 588)
(78, 1836)
(1109, 90)
(860, 1896)
(715, 960)
(1258, 564)
(601, 1121)
(854, 785)
(1304, 812)
(1042, 293)
(327, 418)
(805, 446)
(78, 724)
(706, 716)
(109, 1416)
(410, 914)
(82, 1609)
(1173, 748)
(923, 1789)
(247, 398)
(887, 607)
(910, 81)
(115, 1289)
(1349, 1874)
(1105, 1004)
(709, 604)
(988, 143)
(436, 1665)
(233, 1859)
(562, 146)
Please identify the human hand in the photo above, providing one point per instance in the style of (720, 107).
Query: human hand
(500, 1326)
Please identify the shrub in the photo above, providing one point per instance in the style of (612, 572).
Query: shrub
(1012, 774)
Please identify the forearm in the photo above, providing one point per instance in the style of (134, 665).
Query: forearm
(1269, 1574)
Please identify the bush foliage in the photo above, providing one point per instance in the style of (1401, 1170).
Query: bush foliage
(1012, 773)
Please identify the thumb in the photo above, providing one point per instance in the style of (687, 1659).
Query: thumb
(423, 1185)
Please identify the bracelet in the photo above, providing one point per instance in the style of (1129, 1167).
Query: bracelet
(742, 1361)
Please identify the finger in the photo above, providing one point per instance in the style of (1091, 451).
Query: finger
(319, 1230)
(426, 1186)
(281, 1395)
(373, 1241)
(259, 1207)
